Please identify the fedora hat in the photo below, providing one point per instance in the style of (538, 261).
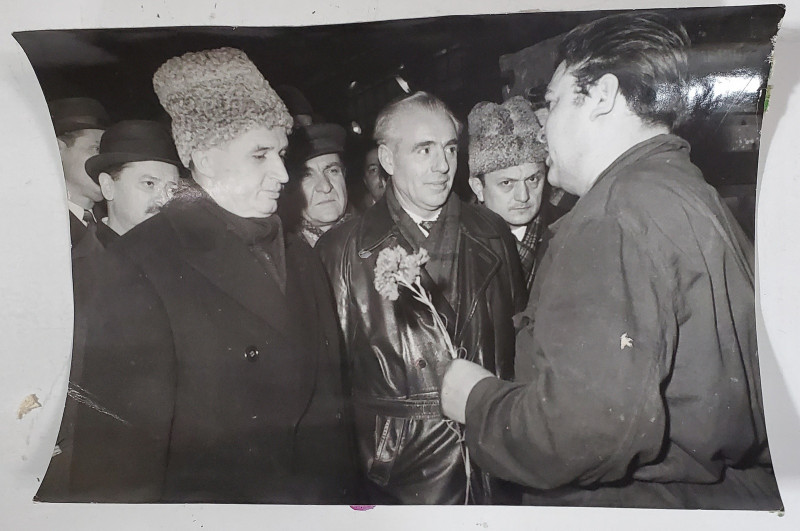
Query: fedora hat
(313, 140)
(133, 141)
(74, 114)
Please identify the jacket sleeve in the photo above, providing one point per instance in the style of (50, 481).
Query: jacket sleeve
(589, 403)
(332, 248)
(126, 392)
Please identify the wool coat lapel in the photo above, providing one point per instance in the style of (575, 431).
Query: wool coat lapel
(226, 261)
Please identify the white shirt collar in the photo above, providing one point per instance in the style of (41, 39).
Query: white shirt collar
(519, 232)
(417, 218)
(78, 211)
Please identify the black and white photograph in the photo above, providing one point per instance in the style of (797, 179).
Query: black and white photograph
(486, 259)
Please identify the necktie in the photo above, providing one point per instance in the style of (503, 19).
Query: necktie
(88, 217)
(427, 225)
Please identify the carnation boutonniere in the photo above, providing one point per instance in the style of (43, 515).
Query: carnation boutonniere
(395, 268)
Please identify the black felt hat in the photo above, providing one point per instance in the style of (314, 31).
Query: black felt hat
(133, 141)
(75, 114)
(318, 139)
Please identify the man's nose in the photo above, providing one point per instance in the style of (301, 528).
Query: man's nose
(521, 192)
(441, 164)
(279, 172)
(324, 184)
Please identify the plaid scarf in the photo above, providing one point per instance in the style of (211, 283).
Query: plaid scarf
(312, 233)
(528, 246)
(441, 243)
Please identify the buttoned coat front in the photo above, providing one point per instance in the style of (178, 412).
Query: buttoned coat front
(202, 380)
(395, 353)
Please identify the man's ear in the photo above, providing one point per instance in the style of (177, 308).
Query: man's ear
(477, 187)
(603, 95)
(386, 158)
(106, 186)
(202, 161)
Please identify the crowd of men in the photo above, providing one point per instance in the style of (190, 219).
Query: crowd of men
(226, 353)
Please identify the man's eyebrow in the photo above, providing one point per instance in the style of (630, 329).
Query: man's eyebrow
(426, 143)
(333, 165)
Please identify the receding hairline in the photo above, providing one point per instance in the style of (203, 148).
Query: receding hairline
(391, 120)
(423, 101)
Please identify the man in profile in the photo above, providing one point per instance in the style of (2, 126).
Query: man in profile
(410, 454)
(212, 370)
(79, 124)
(637, 381)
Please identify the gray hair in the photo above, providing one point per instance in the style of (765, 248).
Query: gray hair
(422, 100)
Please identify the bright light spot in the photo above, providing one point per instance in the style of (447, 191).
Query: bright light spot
(403, 84)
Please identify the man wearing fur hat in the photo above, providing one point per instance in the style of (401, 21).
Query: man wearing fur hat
(637, 366)
(507, 171)
(212, 369)
(410, 454)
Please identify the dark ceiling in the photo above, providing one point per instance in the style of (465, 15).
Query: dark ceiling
(347, 71)
(116, 65)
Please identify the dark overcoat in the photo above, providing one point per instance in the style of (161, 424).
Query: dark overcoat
(396, 355)
(202, 381)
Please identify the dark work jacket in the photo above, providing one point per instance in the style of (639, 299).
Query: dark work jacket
(394, 352)
(637, 368)
(202, 381)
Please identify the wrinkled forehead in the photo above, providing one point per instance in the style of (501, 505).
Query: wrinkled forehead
(256, 139)
(322, 162)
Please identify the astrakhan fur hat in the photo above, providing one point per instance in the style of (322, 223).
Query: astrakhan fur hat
(503, 136)
(214, 96)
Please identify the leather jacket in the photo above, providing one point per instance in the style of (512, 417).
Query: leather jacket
(396, 356)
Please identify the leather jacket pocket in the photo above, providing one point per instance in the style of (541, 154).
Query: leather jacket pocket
(389, 435)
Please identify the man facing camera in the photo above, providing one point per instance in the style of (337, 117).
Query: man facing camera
(212, 369)
(507, 171)
(410, 454)
(137, 170)
(637, 381)
(318, 173)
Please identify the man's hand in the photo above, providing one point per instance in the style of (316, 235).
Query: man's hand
(457, 383)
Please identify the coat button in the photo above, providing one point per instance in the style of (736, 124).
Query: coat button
(251, 353)
(421, 363)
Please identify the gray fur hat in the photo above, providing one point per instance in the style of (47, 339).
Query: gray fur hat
(502, 136)
(213, 96)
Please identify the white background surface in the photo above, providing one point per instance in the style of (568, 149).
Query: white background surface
(36, 301)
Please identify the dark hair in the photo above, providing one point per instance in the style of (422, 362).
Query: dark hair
(420, 99)
(647, 54)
